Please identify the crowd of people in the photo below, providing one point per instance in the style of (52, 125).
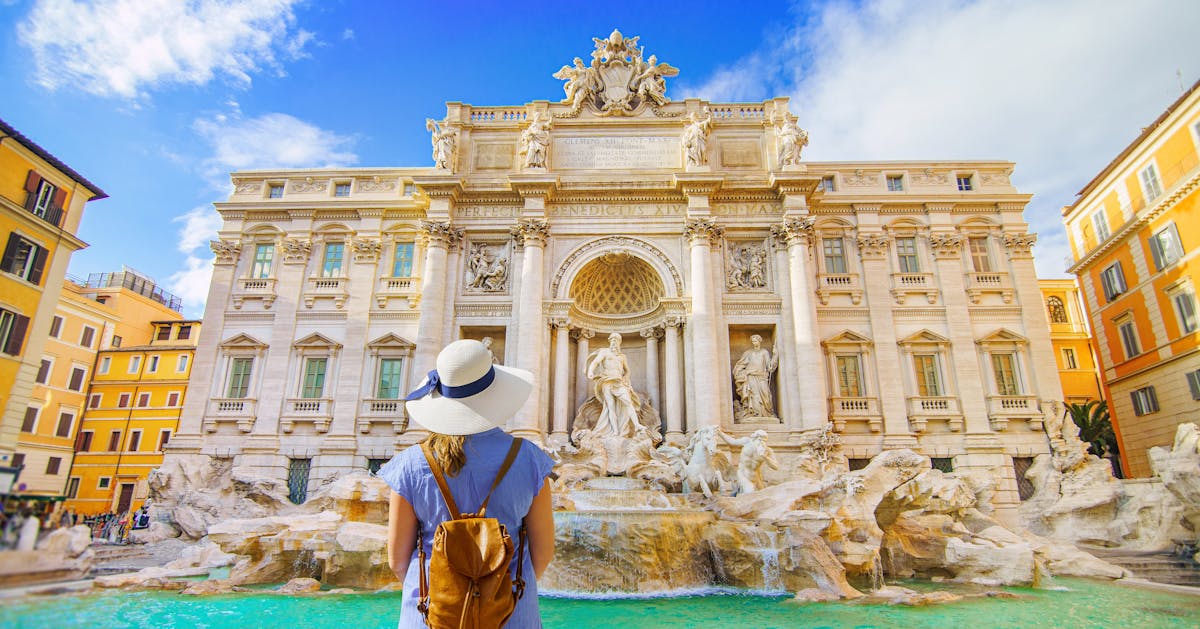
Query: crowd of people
(28, 522)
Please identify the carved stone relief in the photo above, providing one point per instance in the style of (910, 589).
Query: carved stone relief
(617, 82)
(376, 184)
(746, 266)
(242, 186)
(487, 267)
(310, 185)
(860, 178)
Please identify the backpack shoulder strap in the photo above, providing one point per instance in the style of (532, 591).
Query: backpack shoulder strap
(508, 461)
(441, 481)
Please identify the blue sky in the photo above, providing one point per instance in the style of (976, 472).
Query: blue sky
(157, 100)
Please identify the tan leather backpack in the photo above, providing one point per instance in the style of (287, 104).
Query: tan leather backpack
(469, 586)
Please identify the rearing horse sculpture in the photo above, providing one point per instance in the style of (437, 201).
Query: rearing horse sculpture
(704, 461)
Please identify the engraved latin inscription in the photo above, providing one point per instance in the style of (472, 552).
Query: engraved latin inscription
(493, 156)
(616, 152)
(734, 154)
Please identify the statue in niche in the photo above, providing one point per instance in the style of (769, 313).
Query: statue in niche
(445, 143)
(487, 344)
(752, 379)
(486, 272)
(755, 454)
(535, 141)
(581, 81)
(695, 138)
(609, 372)
(792, 139)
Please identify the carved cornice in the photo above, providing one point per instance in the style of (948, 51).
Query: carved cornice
(366, 250)
(703, 231)
(531, 232)
(1019, 245)
(794, 231)
(697, 184)
(309, 185)
(872, 245)
(946, 245)
(243, 186)
(227, 251)
(533, 185)
(439, 187)
(295, 250)
(376, 184)
(441, 234)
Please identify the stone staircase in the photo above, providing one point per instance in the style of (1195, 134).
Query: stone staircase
(1160, 567)
(118, 558)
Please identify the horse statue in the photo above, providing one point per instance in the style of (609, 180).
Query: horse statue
(704, 462)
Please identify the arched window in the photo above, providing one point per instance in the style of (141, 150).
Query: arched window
(1058, 314)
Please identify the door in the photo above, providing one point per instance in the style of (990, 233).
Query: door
(125, 498)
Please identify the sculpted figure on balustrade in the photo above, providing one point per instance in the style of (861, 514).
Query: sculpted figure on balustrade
(445, 143)
(618, 81)
(535, 141)
(792, 140)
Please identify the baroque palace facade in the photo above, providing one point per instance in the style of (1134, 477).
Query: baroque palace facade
(897, 301)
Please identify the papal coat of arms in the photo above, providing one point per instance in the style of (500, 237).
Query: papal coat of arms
(618, 81)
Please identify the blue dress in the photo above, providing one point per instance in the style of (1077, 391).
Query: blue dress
(408, 474)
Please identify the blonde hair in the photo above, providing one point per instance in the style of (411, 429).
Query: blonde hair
(449, 452)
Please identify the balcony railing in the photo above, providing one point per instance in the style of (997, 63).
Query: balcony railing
(317, 411)
(407, 288)
(336, 288)
(838, 284)
(381, 411)
(859, 409)
(980, 283)
(240, 411)
(905, 284)
(921, 409)
(255, 288)
(1005, 408)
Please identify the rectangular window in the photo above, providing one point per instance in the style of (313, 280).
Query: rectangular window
(153, 366)
(835, 257)
(83, 442)
(181, 365)
(906, 254)
(104, 482)
(30, 422)
(77, 376)
(409, 189)
(87, 336)
(1144, 401)
(135, 363)
(895, 183)
(298, 479)
(928, 379)
(94, 400)
(402, 262)
(135, 440)
(264, 256)
(105, 364)
(143, 400)
(1193, 379)
(116, 341)
(185, 332)
(43, 373)
(239, 377)
(964, 183)
(981, 258)
(56, 326)
(389, 378)
(1165, 247)
(123, 400)
(942, 464)
(314, 378)
(164, 333)
(341, 189)
(275, 191)
(373, 465)
(18, 459)
(849, 376)
(173, 399)
(42, 201)
(66, 421)
(24, 259)
(1004, 367)
(1150, 185)
(1100, 222)
(1129, 340)
(827, 183)
(332, 264)
(1185, 309)
(1112, 280)
(114, 441)
(52, 465)
(1069, 360)
(164, 436)
(12, 332)
(73, 487)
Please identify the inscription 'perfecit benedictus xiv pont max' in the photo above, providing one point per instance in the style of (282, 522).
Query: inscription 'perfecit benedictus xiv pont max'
(695, 231)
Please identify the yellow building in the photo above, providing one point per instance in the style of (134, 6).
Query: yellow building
(132, 410)
(106, 311)
(1135, 232)
(41, 204)
(1072, 341)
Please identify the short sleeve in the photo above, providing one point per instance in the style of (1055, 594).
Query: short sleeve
(397, 473)
(540, 467)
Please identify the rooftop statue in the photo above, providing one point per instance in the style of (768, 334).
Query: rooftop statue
(618, 81)
(445, 143)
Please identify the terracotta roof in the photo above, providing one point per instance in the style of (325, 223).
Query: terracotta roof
(10, 132)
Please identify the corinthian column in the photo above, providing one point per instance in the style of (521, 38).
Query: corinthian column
(531, 327)
(582, 390)
(673, 393)
(651, 336)
(798, 233)
(562, 381)
(439, 236)
(701, 234)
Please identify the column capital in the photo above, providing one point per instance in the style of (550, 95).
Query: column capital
(673, 322)
(583, 333)
(559, 323)
(703, 231)
(530, 232)
(1019, 245)
(441, 234)
(296, 250)
(650, 333)
(872, 245)
(946, 244)
(227, 251)
(366, 250)
(794, 231)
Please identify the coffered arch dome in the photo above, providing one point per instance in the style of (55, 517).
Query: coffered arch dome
(617, 284)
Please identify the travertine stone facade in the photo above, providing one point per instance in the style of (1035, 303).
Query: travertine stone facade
(902, 307)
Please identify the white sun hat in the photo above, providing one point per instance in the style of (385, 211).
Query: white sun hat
(467, 394)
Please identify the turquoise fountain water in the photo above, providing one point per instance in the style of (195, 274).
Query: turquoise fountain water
(1081, 604)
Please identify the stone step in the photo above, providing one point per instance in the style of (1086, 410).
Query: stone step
(1157, 567)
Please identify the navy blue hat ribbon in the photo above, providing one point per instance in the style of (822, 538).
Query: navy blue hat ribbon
(467, 390)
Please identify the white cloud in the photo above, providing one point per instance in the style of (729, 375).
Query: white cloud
(272, 140)
(1059, 87)
(200, 225)
(124, 48)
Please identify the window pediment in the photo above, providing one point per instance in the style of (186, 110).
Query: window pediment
(847, 339)
(924, 337)
(391, 341)
(243, 341)
(316, 340)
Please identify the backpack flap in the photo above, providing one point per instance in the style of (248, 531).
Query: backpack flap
(476, 547)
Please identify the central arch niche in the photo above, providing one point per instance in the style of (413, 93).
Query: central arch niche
(617, 284)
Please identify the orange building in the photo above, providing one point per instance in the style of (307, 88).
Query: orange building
(1135, 233)
(1072, 341)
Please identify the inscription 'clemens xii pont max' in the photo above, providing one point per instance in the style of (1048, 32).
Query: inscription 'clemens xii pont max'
(616, 152)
